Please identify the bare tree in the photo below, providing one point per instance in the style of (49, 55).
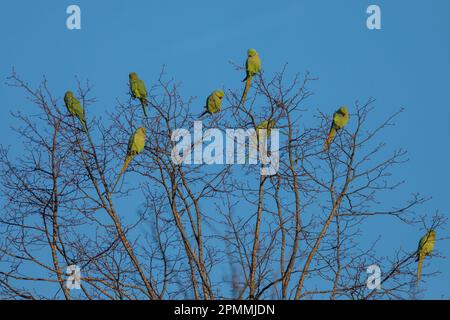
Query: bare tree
(171, 231)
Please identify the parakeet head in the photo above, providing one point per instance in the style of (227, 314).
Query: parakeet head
(219, 94)
(142, 130)
(69, 94)
(133, 75)
(251, 52)
(343, 110)
(267, 124)
(432, 234)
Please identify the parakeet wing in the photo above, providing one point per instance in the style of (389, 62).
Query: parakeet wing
(142, 89)
(139, 142)
(421, 243)
(69, 104)
(130, 144)
(78, 110)
(213, 104)
(134, 89)
(426, 244)
(253, 65)
(339, 120)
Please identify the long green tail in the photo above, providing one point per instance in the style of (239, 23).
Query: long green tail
(83, 122)
(125, 165)
(144, 106)
(247, 86)
(329, 139)
(419, 270)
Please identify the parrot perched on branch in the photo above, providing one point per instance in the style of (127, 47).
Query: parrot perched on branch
(340, 120)
(138, 90)
(214, 102)
(75, 109)
(267, 125)
(253, 66)
(136, 145)
(426, 245)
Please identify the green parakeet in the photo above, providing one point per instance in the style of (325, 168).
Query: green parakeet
(253, 66)
(214, 102)
(340, 120)
(426, 245)
(267, 125)
(138, 90)
(136, 145)
(75, 109)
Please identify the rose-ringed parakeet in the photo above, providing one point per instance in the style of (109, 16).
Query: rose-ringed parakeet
(136, 145)
(138, 90)
(340, 120)
(214, 102)
(267, 125)
(75, 109)
(253, 67)
(426, 245)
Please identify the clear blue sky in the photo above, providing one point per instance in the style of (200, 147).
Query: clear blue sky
(406, 64)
